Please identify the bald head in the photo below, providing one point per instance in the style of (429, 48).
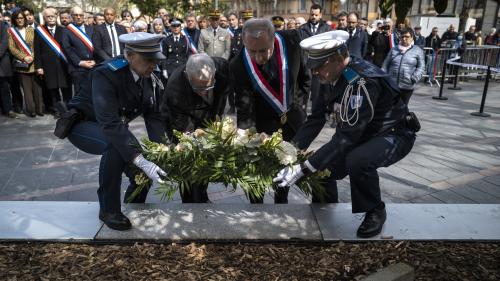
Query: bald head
(259, 28)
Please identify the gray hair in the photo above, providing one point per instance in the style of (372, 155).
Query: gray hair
(255, 28)
(140, 25)
(200, 66)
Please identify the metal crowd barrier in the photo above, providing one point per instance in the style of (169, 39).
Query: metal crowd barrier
(472, 55)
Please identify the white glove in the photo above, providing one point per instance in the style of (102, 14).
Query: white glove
(151, 169)
(165, 74)
(289, 175)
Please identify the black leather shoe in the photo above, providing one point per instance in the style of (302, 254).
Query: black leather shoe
(373, 222)
(116, 221)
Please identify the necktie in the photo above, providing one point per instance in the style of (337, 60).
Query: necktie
(176, 39)
(215, 32)
(113, 47)
(314, 29)
(51, 30)
(350, 34)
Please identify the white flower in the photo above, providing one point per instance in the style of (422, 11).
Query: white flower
(228, 127)
(199, 133)
(242, 137)
(164, 148)
(286, 153)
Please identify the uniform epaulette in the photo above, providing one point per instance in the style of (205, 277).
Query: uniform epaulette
(351, 75)
(117, 64)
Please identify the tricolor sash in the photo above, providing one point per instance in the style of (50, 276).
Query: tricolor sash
(278, 100)
(51, 42)
(231, 32)
(82, 36)
(193, 48)
(20, 42)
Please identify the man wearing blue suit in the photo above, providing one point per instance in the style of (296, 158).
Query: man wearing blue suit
(79, 50)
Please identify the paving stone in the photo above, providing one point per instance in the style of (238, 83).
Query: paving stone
(86, 195)
(393, 272)
(56, 177)
(36, 157)
(398, 189)
(487, 187)
(10, 160)
(21, 220)
(83, 173)
(23, 181)
(406, 221)
(63, 153)
(55, 197)
(216, 221)
(427, 199)
(494, 180)
(475, 195)
(450, 197)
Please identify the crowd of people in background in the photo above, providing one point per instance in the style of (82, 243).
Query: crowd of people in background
(42, 65)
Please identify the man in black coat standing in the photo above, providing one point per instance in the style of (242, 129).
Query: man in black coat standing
(79, 49)
(317, 118)
(358, 39)
(266, 72)
(50, 61)
(106, 35)
(191, 32)
(196, 93)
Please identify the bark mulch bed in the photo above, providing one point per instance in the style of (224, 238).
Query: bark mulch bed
(336, 261)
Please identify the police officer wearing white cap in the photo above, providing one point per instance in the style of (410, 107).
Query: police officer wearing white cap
(372, 130)
(122, 89)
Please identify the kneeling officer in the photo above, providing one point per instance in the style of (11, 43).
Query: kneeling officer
(122, 89)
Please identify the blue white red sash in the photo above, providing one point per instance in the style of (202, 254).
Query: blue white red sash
(51, 42)
(82, 36)
(231, 32)
(192, 47)
(392, 40)
(20, 42)
(278, 100)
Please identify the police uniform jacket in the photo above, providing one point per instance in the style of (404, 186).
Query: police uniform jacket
(75, 49)
(218, 45)
(252, 109)
(389, 112)
(176, 53)
(186, 109)
(114, 100)
(55, 68)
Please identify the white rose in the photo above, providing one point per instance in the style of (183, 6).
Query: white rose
(241, 138)
(228, 127)
(286, 153)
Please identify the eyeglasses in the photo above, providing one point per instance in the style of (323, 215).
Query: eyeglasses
(406, 36)
(203, 89)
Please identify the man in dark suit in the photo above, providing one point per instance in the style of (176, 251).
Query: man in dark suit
(79, 50)
(5, 71)
(50, 62)
(266, 96)
(358, 39)
(192, 31)
(317, 119)
(175, 48)
(105, 39)
(122, 89)
(196, 93)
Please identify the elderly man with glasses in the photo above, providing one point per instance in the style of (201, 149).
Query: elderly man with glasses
(196, 93)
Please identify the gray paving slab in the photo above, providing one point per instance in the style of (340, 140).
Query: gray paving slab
(24, 220)
(493, 180)
(475, 195)
(451, 197)
(427, 199)
(23, 181)
(216, 222)
(487, 187)
(415, 222)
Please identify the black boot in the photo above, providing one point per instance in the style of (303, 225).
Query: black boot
(116, 221)
(373, 222)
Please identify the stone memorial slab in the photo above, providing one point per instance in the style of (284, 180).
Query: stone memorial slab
(216, 222)
(27, 220)
(460, 222)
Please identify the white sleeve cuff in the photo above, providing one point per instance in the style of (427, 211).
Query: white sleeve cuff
(310, 167)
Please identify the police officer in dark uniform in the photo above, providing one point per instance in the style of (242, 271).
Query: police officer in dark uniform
(373, 129)
(266, 72)
(175, 47)
(121, 90)
(196, 93)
